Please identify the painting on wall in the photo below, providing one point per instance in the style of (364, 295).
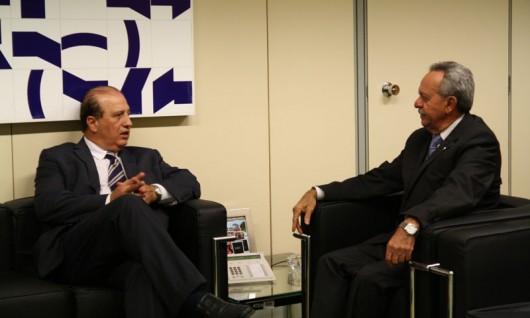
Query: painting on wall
(53, 51)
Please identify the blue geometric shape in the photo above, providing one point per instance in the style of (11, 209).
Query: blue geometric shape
(86, 39)
(38, 45)
(4, 2)
(33, 9)
(34, 102)
(76, 87)
(166, 91)
(4, 64)
(141, 6)
(133, 86)
(178, 6)
(133, 35)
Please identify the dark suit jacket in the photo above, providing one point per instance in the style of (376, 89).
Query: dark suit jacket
(463, 174)
(67, 190)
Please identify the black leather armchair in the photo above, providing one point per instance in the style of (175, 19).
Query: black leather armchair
(488, 251)
(193, 224)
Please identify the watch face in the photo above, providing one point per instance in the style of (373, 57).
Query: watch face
(411, 229)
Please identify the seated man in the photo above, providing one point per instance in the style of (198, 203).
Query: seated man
(99, 202)
(450, 166)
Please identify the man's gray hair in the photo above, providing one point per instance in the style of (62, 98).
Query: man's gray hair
(458, 81)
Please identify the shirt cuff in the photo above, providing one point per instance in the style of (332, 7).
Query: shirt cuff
(166, 197)
(320, 193)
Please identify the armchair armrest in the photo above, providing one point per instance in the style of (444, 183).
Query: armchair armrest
(338, 224)
(457, 242)
(5, 239)
(24, 230)
(510, 208)
(490, 263)
(193, 224)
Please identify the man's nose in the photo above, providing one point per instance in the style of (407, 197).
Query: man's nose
(128, 121)
(417, 103)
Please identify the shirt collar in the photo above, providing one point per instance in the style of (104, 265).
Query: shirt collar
(444, 134)
(96, 151)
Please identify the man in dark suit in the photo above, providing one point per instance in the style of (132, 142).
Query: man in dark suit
(450, 166)
(103, 221)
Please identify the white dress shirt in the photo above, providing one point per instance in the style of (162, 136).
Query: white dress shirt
(102, 164)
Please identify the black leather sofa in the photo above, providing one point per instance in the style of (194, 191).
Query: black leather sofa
(488, 252)
(193, 224)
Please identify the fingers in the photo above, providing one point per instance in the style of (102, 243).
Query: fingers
(395, 258)
(399, 248)
(131, 185)
(306, 205)
(147, 193)
(296, 221)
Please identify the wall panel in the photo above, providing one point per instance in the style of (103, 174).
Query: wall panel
(6, 164)
(520, 130)
(312, 112)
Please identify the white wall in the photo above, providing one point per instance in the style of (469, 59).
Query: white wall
(520, 129)
(312, 114)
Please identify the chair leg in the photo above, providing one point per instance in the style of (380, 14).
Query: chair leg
(437, 270)
(220, 266)
(306, 256)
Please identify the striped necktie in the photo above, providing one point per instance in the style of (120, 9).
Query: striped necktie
(116, 173)
(435, 142)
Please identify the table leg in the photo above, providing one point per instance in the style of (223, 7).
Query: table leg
(306, 288)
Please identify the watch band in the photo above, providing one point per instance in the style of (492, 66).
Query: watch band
(158, 193)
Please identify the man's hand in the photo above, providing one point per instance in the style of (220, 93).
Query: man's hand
(399, 248)
(306, 205)
(130, 186)
(147, 193)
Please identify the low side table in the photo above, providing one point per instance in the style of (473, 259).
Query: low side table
(268, 294)
(264, 294)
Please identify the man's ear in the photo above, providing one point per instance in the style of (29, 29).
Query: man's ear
(451, 104)
(92, 123)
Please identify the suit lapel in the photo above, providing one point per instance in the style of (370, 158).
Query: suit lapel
(446, 144)
(131, 167)
(83, 153)
(417, 165)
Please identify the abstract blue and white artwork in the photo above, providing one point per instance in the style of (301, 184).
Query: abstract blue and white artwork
(53, 51)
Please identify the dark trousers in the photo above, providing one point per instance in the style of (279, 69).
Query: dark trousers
(126, 244)
(356, 282)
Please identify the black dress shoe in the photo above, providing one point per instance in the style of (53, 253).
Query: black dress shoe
(213, 307)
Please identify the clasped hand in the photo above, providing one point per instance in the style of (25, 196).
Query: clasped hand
(136, 186)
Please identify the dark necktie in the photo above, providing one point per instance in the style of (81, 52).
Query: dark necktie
(116, 172)
(435, 142)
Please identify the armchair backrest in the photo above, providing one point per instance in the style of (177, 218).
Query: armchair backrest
(6, 241)
(19, 230)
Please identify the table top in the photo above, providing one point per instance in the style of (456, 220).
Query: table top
(264, 291)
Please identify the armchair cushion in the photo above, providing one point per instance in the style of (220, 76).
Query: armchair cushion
(22, 295)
